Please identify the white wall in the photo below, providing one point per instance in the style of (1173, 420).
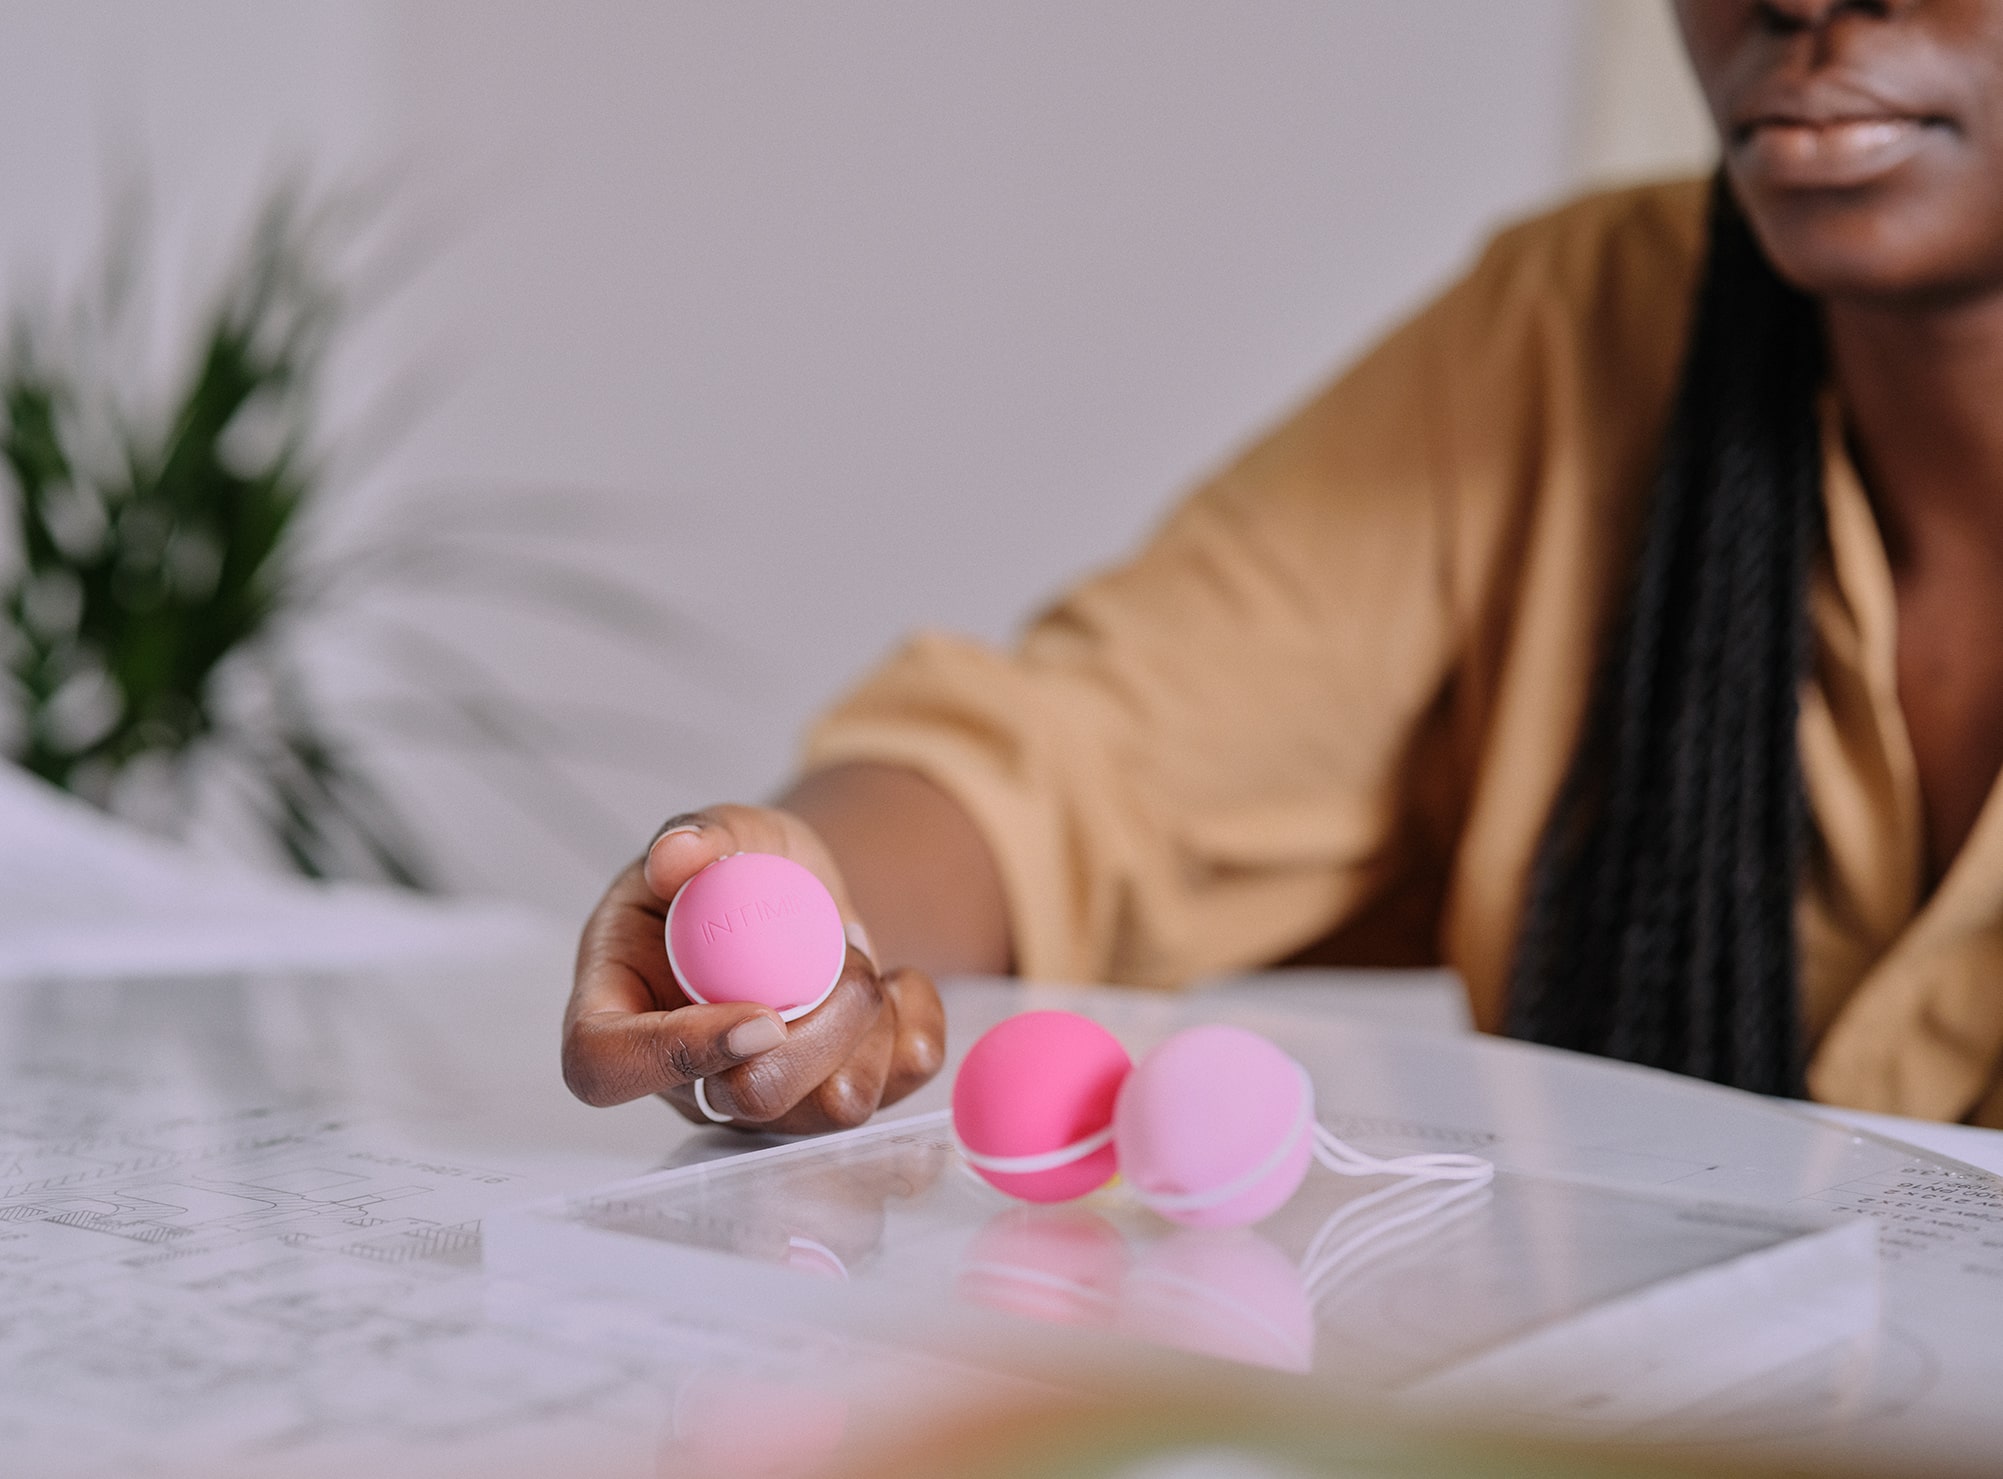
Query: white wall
(204, 99)
(1639, 112)
(846, 317)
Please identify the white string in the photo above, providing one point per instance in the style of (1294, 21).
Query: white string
(1346, 1160)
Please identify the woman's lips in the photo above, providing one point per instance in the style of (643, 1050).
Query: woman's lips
(1829, 153)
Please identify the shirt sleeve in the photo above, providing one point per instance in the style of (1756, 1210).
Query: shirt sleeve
(1199, 761)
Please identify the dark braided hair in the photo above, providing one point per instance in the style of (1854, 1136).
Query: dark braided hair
(1660, 921)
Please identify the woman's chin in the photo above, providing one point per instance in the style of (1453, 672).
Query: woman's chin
(1896, 243)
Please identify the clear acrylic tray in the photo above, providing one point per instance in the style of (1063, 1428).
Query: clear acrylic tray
(1541, 1298)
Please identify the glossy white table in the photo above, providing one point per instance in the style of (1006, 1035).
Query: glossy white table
(241, 1232)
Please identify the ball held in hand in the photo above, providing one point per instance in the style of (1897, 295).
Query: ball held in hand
(760, 928)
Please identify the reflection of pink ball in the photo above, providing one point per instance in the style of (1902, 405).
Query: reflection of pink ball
(757, 927)
(1033, 1105)
(1221, 1292)
(1215, 1127)
(1062, 1265)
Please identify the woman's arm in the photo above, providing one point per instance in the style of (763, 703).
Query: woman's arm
(922, 879)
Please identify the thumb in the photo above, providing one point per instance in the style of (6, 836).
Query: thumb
(610, 1057)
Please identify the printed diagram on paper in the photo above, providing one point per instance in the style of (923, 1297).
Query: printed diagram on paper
(253, 1279)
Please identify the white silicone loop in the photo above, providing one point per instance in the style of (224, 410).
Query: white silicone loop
(1346, 1160)
(1029, 1165)
(702, 1103)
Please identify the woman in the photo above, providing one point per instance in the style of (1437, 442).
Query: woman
(1622, 631)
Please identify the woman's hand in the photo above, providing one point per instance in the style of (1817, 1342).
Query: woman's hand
(630, 1030)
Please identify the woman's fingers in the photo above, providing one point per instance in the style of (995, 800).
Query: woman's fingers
(629, 1031)
(831, 1043)
(688, 843)
(622, 961)
(612, 1056)
(842, 1100)
(848, 1096)
(920, 1045)
(900, 1051)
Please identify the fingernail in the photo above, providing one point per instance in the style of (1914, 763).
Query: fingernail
(859, 937)
(759, 1035)
(666, 832)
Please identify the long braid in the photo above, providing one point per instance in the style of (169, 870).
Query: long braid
(1660, 922)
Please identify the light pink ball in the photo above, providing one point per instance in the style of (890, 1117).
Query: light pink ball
(1040, 1084)
(1215, 1127)
(757, 927)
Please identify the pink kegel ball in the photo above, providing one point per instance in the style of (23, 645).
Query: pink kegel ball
(757, 927)
(1033, 1105)
(1215, 1127)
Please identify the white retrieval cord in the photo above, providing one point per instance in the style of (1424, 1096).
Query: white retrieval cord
(1346, 1160)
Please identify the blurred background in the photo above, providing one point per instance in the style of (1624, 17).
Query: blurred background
(718, 343)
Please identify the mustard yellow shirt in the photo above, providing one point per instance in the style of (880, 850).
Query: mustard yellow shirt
(1333, 698)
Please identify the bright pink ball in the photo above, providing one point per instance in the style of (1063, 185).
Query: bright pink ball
(757, 927)
(1033, 1105)
(1215, 1127)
